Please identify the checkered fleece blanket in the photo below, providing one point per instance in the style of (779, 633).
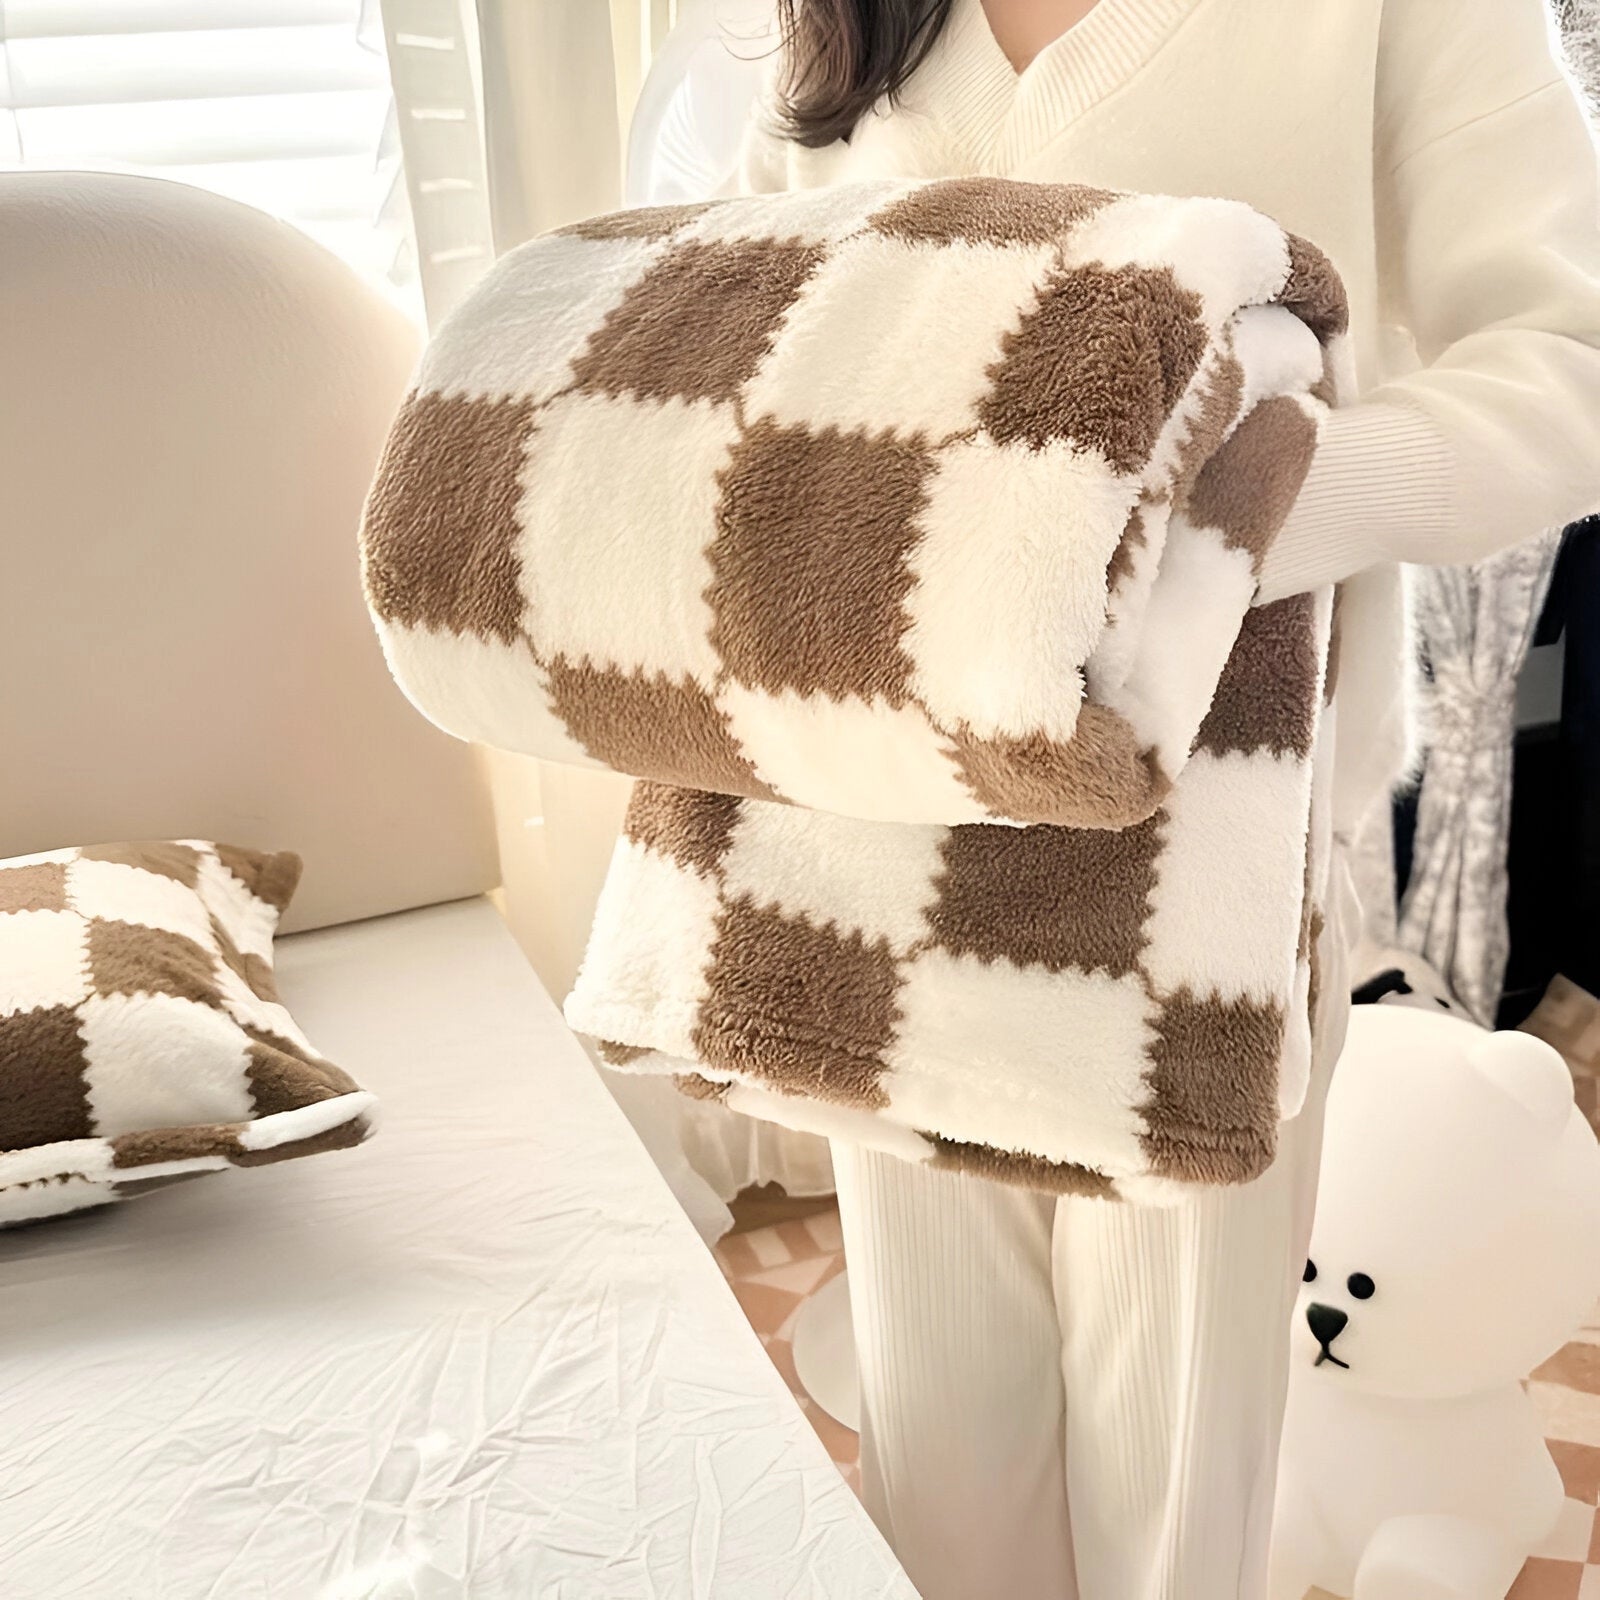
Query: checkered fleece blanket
(903, 538)
(141, 1035)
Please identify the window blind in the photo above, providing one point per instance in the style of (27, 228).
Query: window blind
(281, 104)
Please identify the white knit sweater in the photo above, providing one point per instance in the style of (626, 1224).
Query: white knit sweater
(1437, 150)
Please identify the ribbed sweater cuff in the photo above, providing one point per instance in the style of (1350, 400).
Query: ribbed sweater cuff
(1381, 488)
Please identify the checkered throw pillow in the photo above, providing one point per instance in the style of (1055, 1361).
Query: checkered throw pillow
(867, 524)
(141, 1036)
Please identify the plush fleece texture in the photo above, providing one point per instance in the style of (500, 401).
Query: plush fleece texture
(904, 536)
(141, 1035)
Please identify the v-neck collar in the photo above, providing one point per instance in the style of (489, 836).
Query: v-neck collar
(1000, 116)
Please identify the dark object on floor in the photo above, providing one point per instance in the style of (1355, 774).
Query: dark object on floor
(1390, 983)
(764, 1204)
(1389, 975)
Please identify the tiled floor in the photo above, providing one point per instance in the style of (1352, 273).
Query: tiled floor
(1567, 1387)
(774, 1269)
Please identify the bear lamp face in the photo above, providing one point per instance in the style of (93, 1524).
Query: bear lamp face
(1457, 1236)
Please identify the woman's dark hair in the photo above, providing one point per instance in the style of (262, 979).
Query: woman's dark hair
(844, 54)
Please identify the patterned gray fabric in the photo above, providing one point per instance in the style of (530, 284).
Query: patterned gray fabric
(1475, 624)
(1579, 21)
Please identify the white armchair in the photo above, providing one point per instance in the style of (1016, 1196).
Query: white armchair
(193, 400)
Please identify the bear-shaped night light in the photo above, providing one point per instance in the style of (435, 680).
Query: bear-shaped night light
(1456, 1246)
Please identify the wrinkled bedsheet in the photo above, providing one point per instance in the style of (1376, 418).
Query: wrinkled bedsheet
(484, 1355)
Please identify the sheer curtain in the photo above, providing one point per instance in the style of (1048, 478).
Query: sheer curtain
(512, 116)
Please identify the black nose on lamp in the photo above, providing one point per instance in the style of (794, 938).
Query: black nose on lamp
(1326, 1324)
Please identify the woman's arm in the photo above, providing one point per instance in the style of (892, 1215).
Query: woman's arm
(1488, 215)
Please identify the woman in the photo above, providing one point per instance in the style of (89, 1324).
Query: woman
(1437, 151)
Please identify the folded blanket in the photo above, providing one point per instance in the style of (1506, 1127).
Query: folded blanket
(867, 524)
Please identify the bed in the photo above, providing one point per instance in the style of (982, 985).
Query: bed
(483, 1355)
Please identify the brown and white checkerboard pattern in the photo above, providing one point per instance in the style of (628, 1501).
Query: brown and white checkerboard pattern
(692, 492)
(921, 505)
(1028, 1003)
(141, 1037)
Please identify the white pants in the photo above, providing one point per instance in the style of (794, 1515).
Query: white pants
(1051, 1388)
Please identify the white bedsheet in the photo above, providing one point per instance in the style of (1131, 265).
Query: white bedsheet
(485, 1355)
